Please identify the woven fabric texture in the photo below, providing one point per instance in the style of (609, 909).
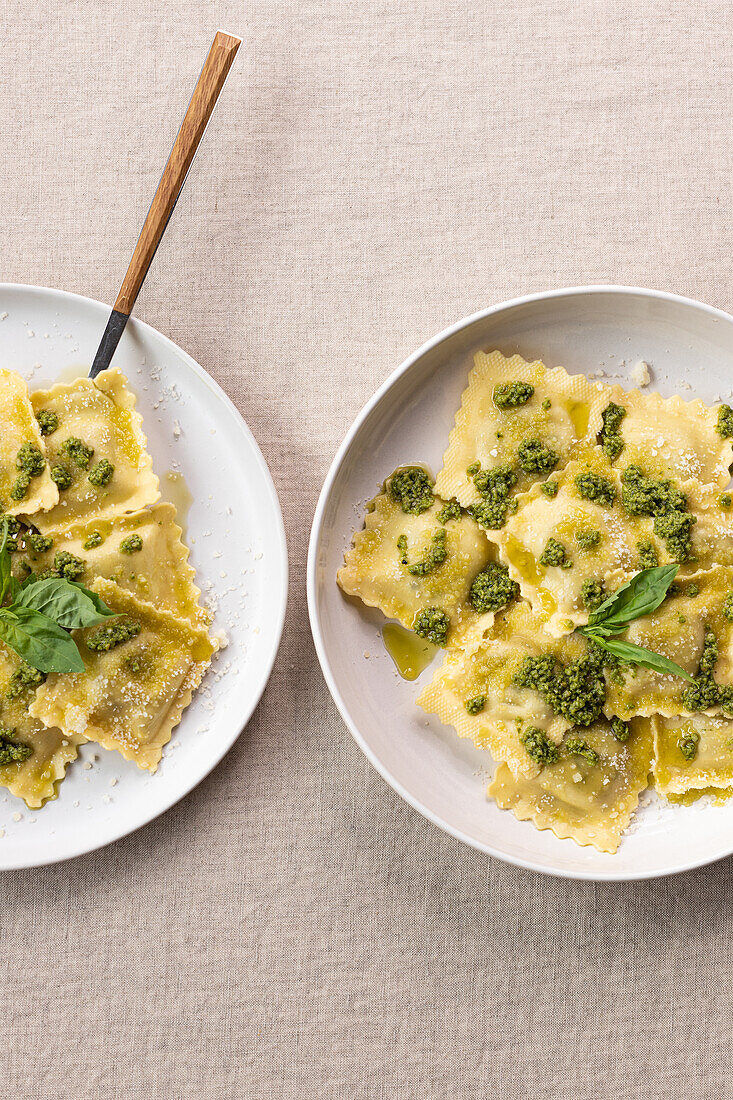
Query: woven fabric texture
(374, 171)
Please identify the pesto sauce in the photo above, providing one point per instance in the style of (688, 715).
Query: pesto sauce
(436, 555)
(412, 489)
(510, 395)
(432, 624)
(492, 589)
(612, 442)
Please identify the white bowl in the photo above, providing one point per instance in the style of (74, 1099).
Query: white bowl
(587, 330)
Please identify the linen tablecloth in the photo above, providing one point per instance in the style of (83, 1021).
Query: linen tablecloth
(374, 172)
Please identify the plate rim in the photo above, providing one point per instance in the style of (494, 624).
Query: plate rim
(71, 851)
(314, 544)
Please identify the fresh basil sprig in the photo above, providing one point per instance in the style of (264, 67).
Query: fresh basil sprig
(638, 597)
(40, 613)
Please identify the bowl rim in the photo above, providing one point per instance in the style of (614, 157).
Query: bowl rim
(611, 289)
(83, 846)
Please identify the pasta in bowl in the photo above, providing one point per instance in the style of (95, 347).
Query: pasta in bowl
(103, 636)
(587, 638)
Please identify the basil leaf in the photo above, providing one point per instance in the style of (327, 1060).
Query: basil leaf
(39, 641)
(639, 596)
(638, 655)
(68, 604)
(5, 562)
(102, 610)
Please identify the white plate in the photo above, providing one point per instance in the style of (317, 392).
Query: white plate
(587, 330)
(237, 542)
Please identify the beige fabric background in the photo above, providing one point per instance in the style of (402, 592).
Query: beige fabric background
(375, 171)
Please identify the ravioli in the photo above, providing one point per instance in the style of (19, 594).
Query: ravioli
(158, 572)
(692, 752)
(676, 630)
(590, 802)
(36, 779)
(487, 671)
(101, 415)
(130, 697)
(563, 415)
(600, 544)
(670, 437)
(20, 428)
(374, 568)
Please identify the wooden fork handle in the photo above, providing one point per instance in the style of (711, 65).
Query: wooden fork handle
(205, 94)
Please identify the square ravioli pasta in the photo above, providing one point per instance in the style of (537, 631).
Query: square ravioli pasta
(34, 776)
(410, 562)
(668, 437)
(691, 627)
(31, 489)
(97, 451)
(141, 672)
(692, 753)
(518, 422)
(589, 796)
(142, 552)
(569, 551)
(475, 690)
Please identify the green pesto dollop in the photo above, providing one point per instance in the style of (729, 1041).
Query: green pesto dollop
(642, 495)
(450, 510)
(412, 489)
(101, 473)
(48, 421)
(30, 463)
(728, 607)
(114, 634)
(588, 540)
(78, 451)
(60, 475)
(492, 588)
(724, 426)
(592, 594)
(725, 500)
(550, 488)
(595, 487)
(575, 691)
(509, 395)
(20, 487)
(30, 460)
(24, 679)
(434, 558)
(554, 554)
(534, 457)
(133, 543)
(94, 539)
(612, 442)
(621, 730)
(68, 565)
(705, 693)
(687, 744)
(12, 751)
(648, 556)
(476, 705)
(576, 746)
(40, 543)
(494, 487)
(546, 404)
(692, 590)
(432, 624)
(676, 530)
(539, 746)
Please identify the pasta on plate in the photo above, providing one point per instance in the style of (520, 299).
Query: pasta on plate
(574, 559)
(85, 536)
